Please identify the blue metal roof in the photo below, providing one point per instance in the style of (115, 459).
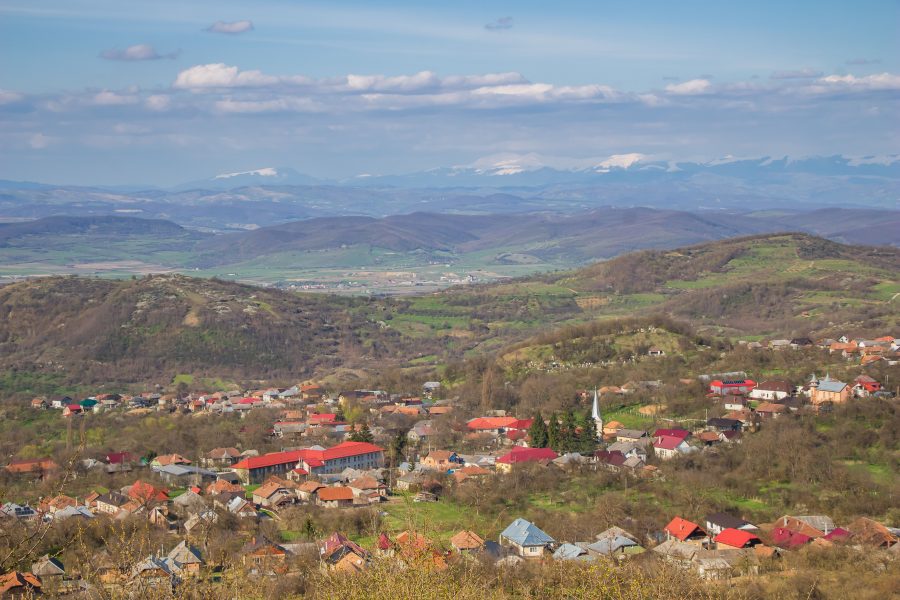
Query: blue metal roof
(525, 533)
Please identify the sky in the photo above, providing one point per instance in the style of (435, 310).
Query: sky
(159, 92)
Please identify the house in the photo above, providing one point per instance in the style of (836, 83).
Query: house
(111, 503)
(772, 389)
(733, 402)
(828, 390)
(39, 468)
(655, 351)
(203, 519)
(611, 460)
(184, 475)
(307, 490)
(119, 458)
(221, 457)
(668, 446)
(722, 424)
(241, 507)
(716, 523)
(497, 426)
(40, 403)
(736, 538)
(864, 386)
(169, 459)
(72, 410)
(872, 533)
(770, 410)
(615, 542)
(420, 431)
(220, 486)
(338, 553)
(469, 471)
(19, 585)
(519, 455)
(189, 502)
(368, 488)
(577, 551)
(441, 460)
(526, 539)
(334, 497)
(634, 436)
(262, 553)
(467, 541)
(147, 494)
(16, 511)
(685, 531)
(273, 494)
(48, 568)
(731, 386)
(185, 559)
(813, 526)
(315, 460)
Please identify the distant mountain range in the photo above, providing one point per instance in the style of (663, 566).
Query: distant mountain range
(505, 184)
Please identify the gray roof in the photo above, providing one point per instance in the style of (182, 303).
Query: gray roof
(569, 551)
(831, 385)
(183, 554)
(181, 470)
(820, 522)
(631, 433)
(525, 533)
(609, 545)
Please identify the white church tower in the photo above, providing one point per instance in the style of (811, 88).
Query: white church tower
(596, 416)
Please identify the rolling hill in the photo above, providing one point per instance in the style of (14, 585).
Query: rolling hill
(93, 330)
(152, 328)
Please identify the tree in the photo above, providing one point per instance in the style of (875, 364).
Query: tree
(554, 435)
(538, 432)
(568, 434)
(587, 438)
(363, 434)
(339, 414)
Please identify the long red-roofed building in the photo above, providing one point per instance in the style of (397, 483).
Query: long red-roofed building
(520, 455)
(354, 455)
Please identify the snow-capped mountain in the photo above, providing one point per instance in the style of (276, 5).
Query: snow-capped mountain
(254, 177)
(535, 170)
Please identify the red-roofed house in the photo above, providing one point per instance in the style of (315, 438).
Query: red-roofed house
(334, 497)
(736, 538)
(668, 446)
(498, 425)
(685, 531)
(788, 538)
(146, 493)
(520, 455)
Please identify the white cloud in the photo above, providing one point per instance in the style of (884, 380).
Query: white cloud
(693, 87)
(401, 83)
(7, 97)
(108, 98)
(288, 104)
(136, 53)
(220, 75)
(158, 102)
(881, 81)
(232, 27)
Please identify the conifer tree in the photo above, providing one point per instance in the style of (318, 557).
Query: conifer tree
(538, 432)
(554, 435)
(569, 434)
(587, 439)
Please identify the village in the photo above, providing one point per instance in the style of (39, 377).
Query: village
(373, 449)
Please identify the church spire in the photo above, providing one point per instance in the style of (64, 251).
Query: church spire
(595, 413)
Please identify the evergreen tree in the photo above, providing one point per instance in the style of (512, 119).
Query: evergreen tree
(554, 435)
(339, 414)
(538, 432)
(363, 434)
(569, 434)
(587, 439)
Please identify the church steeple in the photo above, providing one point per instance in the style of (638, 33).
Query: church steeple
(595, 414)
